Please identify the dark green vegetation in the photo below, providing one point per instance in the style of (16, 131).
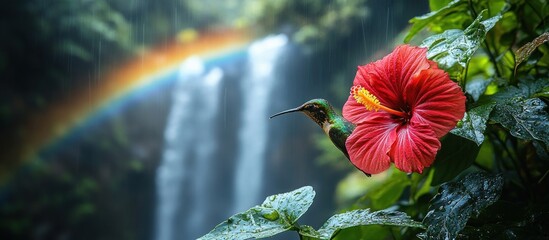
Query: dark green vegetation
(491, 177)
(451, 208)
(100, 189)
(280, 213)
(97, 186)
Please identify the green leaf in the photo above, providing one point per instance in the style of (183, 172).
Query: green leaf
(519, 110)
(473, 124)
(456, 47)
(477, 86)
(256, 222)
(544, 93)
(525, 51)
(291, 205)
(309, 231)
(425, 186)
(436, 16)
(277, 214)
(457, 201)
(455, 155)
(509, 220)
(388, 193)
(365, 232)
(365, 217)
(435, 5)
(527, 88)
(526, 119)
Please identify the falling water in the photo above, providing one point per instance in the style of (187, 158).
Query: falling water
(190, 142)
(252, 136)
(186, 194)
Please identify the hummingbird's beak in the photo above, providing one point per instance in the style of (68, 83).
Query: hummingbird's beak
(297, 109)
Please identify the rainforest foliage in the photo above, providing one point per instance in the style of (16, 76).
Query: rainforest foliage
(490, 177)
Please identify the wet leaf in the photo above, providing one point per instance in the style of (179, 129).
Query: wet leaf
(435, 16)
(277, 214)
(509, 220)
(365, 217)
(291, 205)
(544, 93)
(249, 224)
(473, 124)
(477, 86)
(525, 51)
(456, 47)
(455, 155)
(526, 119)
(365, 232)
(457, 201)
(309, 231)
(519, 109)
(527, 88)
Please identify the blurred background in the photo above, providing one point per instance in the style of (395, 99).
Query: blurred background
(142, 119)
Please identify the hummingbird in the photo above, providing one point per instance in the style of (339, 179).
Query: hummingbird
(337, 128)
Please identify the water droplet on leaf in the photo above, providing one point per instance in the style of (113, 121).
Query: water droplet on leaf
(272, 216)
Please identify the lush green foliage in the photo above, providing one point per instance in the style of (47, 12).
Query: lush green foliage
(495, 49)
(277, 214)
(490, 178)
(280, 212)
(456, 202)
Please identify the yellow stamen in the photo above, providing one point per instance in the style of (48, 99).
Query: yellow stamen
(365, 98)
(371, 102)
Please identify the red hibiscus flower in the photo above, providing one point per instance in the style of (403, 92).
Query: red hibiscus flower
(402, 105)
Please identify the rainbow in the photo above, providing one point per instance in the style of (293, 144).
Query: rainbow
(150, 69)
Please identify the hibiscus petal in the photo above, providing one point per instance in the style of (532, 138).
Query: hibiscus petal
(388, 77)
(371, 141)
(408, 61)
(379, 82)
(415, 148)
(435, 100)
(354, 111)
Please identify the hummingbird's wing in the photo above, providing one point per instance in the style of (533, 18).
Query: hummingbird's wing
(339, 135)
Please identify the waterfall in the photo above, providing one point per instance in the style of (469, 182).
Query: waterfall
(190, 142)
(252, 136)
(187, 197)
